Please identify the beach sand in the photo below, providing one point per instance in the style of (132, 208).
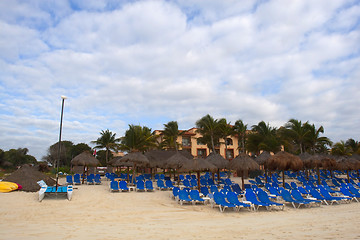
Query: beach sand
(95, 213)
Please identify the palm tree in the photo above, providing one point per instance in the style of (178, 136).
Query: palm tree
(341, 149)
(108, 141)
(354, 145)
(240, 129)
(263, 137)
(137, 139)
(225, 130)
(208, 127)
(171, 134)
(297, 132)
(314, 142)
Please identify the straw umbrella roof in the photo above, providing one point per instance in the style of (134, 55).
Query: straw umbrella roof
(284, 161)
(176, 161)
(85, 159)
(347, 163)
(116, 162)
(135, 157)
(216, 159)
(28, 177)
(263, 157)
(158, 158)
(197, 165)
(243, 163)
(304, 156)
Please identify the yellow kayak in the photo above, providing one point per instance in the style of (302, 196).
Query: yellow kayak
(8, 186)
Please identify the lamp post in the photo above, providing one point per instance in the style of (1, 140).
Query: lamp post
(58, 159)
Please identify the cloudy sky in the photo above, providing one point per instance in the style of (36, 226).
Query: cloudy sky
(151, 62)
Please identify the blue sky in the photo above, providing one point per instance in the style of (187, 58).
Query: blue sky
(150, 62)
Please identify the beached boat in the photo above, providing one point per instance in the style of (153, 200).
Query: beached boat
(59, 191)
(8, 186)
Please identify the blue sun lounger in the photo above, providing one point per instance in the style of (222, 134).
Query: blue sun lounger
(169, 184)
(149, 185)
(346, 192)
(123, 186)
(263, 197)
(114, 186)
(285, 194)
(69, 180)
(184, 197)
(220, 200)
(251, 197)
(77, 180)
(233, 199)
(195, 196)
(140, 186)
(297, 196)
(328, 196)
(160, 185)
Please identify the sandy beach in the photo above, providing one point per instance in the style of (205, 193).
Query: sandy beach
(95, 213)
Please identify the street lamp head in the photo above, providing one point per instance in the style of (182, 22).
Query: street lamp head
(63, 97)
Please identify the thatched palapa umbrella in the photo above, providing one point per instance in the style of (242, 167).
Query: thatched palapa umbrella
(85, 159)
(219, 161)
(197, 165)
(320, 161)
(158, 158)
(261, 160)
(136, 158)
(116, 162)
(284, 161)
(346, 163)
(176, 161)
(243, 163)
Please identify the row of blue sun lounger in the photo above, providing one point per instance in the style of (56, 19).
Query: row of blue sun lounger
(273, 197)
(122, 186)
(90, 179)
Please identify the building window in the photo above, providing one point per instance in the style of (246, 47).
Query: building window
(186, 142)
(230, 154)
(199, 141)
(201, 152)
(229, 142)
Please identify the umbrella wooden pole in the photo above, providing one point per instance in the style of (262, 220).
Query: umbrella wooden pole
(347, 173)
(134, 174)
(128, 172)
(242, 179)
(265, 175)
(83, 178)
(198, 179)
(318, 173)
(283, 177)
(178, 180)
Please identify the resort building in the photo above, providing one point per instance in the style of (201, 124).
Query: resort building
(189, 140)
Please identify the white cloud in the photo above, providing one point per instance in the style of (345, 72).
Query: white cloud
(149, 62)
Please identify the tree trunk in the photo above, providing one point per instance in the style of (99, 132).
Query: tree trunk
(243, 144)
(225, 149)
(107, 155)
(175, 143)
(212, 143)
